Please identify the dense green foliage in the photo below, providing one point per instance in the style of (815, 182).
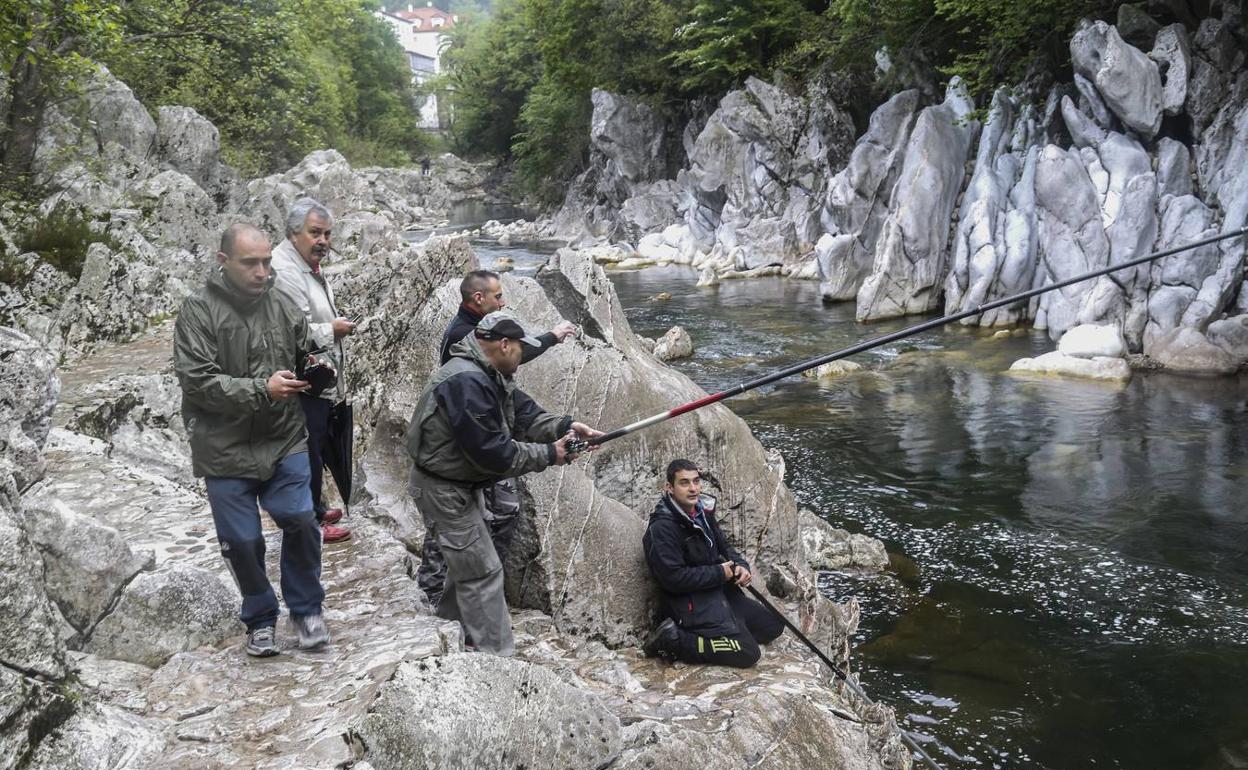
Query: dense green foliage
(522, 76)
(278, 77)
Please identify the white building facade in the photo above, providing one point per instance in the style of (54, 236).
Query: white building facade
(422, 33)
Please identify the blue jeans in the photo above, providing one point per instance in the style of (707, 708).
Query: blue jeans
(288, 499)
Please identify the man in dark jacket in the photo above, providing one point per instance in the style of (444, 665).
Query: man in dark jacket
(709, 619)
(472, 427)
(235, 344)
(481, 293)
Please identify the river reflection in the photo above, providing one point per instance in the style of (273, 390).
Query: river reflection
(1070, 587)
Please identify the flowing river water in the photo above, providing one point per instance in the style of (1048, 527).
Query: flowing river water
(1069, 557)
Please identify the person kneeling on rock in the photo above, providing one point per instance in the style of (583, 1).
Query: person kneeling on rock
(235, 345)
(700, 575)
(473, 427)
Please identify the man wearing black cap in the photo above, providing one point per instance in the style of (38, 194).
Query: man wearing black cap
(471, 428)
(481, 293)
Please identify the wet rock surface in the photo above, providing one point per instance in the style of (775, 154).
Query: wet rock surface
(410, 725)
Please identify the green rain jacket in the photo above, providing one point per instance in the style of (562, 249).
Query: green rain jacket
(226, 345)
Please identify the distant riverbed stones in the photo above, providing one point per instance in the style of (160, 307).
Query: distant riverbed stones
(675, 344)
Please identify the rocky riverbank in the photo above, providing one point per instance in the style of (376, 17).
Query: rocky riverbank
(939, 207)
(121, 645)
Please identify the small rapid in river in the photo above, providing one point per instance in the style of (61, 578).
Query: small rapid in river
(1069, 560)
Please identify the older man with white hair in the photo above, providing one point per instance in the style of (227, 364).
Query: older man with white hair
(297, 262)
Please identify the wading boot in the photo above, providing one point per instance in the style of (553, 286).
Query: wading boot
(663, 641)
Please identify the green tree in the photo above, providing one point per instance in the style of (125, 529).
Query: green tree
(490, 68)
(725, 41)
(45, 44)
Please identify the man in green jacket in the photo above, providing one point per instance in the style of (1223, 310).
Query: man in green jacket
(473, 427)
(235, 344)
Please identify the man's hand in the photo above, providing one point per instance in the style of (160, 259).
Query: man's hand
(342, 327)
(282, 385)
(584, 431)
(561, 451)
(728, 568)
(741, 576)
(563, 330)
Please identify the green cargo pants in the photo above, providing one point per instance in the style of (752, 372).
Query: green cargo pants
(474, 575)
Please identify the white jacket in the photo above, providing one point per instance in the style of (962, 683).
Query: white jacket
(315, 298)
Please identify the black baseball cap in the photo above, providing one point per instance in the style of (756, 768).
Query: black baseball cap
(503, 325)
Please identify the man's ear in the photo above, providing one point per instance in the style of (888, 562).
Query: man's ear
(222, 258)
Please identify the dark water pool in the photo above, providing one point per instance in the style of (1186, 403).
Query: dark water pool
(1071, 557)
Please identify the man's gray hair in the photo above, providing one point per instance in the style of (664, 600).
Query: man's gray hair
(299, 211)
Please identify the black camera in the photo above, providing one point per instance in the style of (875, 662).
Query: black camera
(319, 375)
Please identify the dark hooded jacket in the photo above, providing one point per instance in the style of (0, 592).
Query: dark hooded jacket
(685, 559)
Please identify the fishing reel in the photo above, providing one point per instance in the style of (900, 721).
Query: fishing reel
(575, 446)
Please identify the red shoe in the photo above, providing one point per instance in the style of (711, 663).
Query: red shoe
(332, 516)
(332, 534)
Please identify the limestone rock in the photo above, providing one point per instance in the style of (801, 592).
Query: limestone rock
(832, 370)
(103, 121)
(819, 739)
(860, 196)
(626, 192)
(1073, 241)
(1136, 26)
(1092, 341)
(676, 343)
(29, 637)
(1173, 54)
(1187, 351)
(828, 547)
(29, 389)
(166, 612)
(765, 154)
(86, 564)
(911, 260)
(1231, 334)
(1098, 368)
(994, 249)
(579, 564)
(508, 713)
(1128, 81)
(101, 737)
(189, 143)
(178, 213)
(1191, 287)
(26, 705)
(1174, 168)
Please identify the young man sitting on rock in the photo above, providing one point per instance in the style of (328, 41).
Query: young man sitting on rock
(700, 575)
(235, 345)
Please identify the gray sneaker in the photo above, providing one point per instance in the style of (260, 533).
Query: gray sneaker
(261, 642)
(311, 630)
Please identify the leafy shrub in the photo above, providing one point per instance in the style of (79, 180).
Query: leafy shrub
(62, 240)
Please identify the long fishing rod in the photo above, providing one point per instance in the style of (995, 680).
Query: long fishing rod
(893, 337)
(840, 674)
